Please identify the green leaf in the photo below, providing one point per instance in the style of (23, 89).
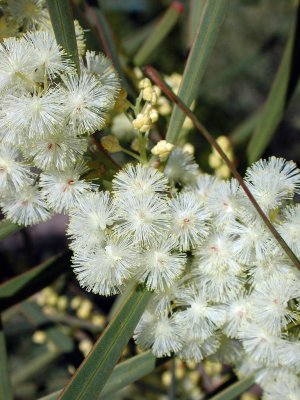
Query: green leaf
(7, 228)
(63, 25)
(91, 376)
(24, 285)
(123, 374)
(235, 389)
(161, 30)
(5, 386)
(128, 372)
(35, 315)
(195, 10)
(211, 19)
(280, 94)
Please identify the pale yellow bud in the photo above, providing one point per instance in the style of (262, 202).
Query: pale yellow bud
(111, 144)
(162, 149)
(148, 93)
(212, 368)
(166, 378)
(214, 161)
(187, 124)
(84, 311)
(138, 73)
(75, 302)
(145, 83)
(98, 320)
(189, 148)
(223, 171)
(39, 337)
(85, 346)
(194, 376)
(224, 142)
(249, 396)
(153, 114)
(157, 90)
(52, 299)
(174, 81)
(71, 369)
(62, 303)
(135, 144)
(142, 122)
(164, 106)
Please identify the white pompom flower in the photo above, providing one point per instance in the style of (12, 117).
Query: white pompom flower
(140, 180)
(63, 190)
(25, 207)
(50, 58)
(160, 264)
(203, 187)
(289, 229)
(224, 202)
(260, 344)
(13, 173)
(239, 312)
(252, 241)
(86, 102)
(144, 218)
(181, 167)
(272, 181)
(106, 269)
(89, 221)
(160, 333)
(201, 316)
(196, 350)
(34, 116)
(58, 150)
(216, 256)
(17, 63)
(102, 67)
(189, 220)
(270, 302)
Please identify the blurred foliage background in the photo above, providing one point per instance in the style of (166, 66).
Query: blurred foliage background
(48, 336)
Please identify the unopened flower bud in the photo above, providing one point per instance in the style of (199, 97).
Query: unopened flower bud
(145, 83)
(111, 143)
(142, 122)
(153, 114)
(39, 337)
(162, 149)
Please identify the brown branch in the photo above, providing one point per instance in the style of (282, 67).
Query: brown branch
(154, 76)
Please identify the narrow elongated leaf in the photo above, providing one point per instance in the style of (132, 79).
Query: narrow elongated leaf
(123, 374)
(5, 386)
(24, 285)
(128, 372)
(282, 90)
(233, 391)
(63, 25)
(211, 19)
(195, 10)
(94, 372)
(7, 228)
(35, 315)
(158, 34)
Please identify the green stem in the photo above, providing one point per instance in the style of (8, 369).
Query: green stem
(131, 154)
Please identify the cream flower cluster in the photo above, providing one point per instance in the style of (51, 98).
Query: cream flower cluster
(222, 285)
(47, 112)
